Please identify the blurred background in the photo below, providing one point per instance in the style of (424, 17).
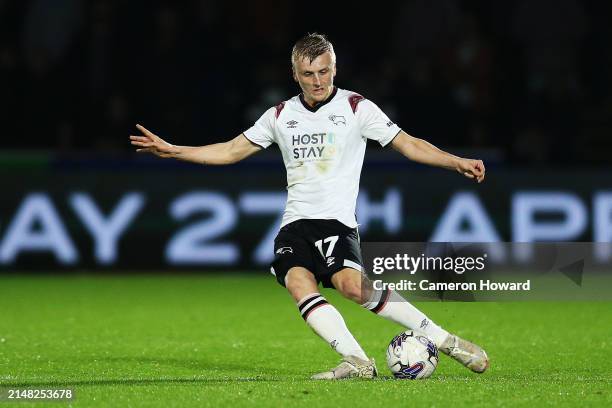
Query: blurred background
(526, 85)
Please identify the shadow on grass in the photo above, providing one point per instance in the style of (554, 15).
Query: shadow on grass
(135, 381)
(232, 368)
(217, 373)
(192, 364)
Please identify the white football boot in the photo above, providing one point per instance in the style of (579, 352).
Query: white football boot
(351, 367)
(466, 353)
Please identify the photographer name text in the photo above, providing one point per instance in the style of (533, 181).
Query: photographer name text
(426, 285)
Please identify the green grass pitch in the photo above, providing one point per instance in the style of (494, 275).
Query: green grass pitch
(238, 340)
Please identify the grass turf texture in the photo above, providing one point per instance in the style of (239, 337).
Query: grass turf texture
(238, 340)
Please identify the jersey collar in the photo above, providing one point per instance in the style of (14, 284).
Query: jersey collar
(318, 105)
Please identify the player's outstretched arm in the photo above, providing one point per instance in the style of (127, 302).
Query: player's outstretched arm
(424, 152)
(228, 152)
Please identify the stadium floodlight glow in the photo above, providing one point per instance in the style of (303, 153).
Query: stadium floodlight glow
(106, 231)
(191, 244)
(602, 225)
(22, 235)
(388, 210)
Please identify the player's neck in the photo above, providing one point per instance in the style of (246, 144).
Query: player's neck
(312, 104)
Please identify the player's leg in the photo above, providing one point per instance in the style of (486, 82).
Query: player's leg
(325, 320)
(344, 273)
(388, 304)
(292, 267)
(321, 316)
(392, 306)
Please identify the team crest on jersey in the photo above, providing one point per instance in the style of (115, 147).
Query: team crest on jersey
(292, 124)
(337, 119)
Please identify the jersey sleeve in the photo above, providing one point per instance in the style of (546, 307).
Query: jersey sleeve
(375, 124)
(262, 132)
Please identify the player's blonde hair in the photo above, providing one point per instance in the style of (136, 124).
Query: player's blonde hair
(311, 46)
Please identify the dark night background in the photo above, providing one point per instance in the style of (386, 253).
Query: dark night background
(522, 82)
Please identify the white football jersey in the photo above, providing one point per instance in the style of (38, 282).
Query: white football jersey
(323, 150)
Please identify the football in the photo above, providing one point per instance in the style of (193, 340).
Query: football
(412, 356)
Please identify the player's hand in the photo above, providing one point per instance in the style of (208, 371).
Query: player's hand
(473, 169)
(149, 142)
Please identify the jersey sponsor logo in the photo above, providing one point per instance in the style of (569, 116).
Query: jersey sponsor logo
(337, 119)
(313, 146)
(292, 124)
(284, 250)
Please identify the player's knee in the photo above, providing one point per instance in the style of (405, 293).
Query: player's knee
(294, 286)
(300, 283)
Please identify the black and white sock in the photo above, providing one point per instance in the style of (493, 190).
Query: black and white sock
(328, 323)
(390, 305)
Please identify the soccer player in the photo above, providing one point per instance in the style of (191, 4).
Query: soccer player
(322, 136)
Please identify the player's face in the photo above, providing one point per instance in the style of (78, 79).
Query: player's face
(316, 78)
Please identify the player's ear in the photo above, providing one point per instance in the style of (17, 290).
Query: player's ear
(293, 73)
